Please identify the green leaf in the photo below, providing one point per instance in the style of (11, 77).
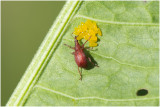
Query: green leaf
(127, 55)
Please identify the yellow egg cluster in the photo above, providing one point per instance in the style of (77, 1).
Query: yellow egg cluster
(88, 30)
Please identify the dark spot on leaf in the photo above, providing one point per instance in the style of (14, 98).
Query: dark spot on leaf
(142, 92)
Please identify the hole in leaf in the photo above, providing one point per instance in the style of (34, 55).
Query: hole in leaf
(142, 92)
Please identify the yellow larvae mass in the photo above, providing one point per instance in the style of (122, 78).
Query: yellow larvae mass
(88, 30)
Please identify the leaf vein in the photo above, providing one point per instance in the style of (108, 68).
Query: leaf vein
(122, 63)
(87, 98)
(117, 23)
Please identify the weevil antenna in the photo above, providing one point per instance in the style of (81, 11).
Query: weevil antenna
(86, 42)
(72, 36)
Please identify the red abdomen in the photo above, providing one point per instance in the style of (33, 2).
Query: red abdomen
(80, 59)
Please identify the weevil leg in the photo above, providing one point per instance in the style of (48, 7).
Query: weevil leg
(88, 48)
(69, 46)
(80, 74)
(89, 59)
(72, 53)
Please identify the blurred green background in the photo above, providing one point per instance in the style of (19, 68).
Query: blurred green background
(24, 25)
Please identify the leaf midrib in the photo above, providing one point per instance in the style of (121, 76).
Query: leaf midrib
(21, 92)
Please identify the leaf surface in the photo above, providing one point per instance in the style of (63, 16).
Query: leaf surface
(127, 55)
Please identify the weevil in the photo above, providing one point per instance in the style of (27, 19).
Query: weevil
(79, 56)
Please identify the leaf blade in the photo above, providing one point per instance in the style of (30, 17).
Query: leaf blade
(127, 55)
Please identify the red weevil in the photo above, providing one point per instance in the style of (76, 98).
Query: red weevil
(79, 55)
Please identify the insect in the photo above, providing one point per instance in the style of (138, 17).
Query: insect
(79, 55)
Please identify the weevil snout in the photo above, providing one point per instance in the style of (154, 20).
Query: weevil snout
(75, 38)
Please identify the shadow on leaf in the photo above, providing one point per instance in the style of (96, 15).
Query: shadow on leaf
(93, 63)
